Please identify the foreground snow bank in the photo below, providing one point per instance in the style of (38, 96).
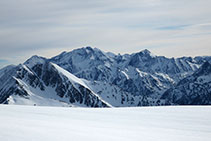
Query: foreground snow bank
(130, 124)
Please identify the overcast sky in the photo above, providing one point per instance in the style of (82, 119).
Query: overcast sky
(172, 28)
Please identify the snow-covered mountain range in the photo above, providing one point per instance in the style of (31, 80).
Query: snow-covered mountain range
(89, 77)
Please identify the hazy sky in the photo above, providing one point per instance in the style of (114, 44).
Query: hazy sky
(47, 27)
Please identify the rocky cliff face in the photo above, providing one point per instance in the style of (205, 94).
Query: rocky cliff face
(38, 77)
(92, 78)
(192, 90)
(139, 74)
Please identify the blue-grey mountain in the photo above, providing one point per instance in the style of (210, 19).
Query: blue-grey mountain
(92, 78)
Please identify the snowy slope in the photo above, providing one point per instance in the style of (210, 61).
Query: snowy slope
(140, 74)
(119, 98)
(92, 78)
(23, 123)
(192, 90)
(39, 82)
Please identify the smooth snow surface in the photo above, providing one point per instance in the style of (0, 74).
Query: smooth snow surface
(24, 123)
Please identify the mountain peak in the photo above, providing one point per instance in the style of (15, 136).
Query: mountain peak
(89, 48)
(87, 76)
(146, 52)
(86, 50)
(35, 60)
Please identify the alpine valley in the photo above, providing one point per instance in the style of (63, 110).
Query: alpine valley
(89, 77)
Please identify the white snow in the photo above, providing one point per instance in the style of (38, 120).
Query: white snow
(141, 73)
(193, 66)
(92, 57)
(36, 100)
(71, 77)
(38, 97)
(107, 64)
(125, 74)
(26, 68)
(23, 123)
(165, 76)
(34, 60)
(76, 80)
(112, 94)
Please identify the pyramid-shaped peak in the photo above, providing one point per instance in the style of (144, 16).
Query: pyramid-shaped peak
(146, 52)
(35, 60)
(87, 49)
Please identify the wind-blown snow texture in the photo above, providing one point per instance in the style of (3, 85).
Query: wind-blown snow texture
(24, 123)
(89, 77)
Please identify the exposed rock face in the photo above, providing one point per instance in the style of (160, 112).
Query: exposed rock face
(92, 78)
(192, 90)
(42, 75)
(140, 73)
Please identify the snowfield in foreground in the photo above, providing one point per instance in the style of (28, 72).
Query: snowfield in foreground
(131, 124)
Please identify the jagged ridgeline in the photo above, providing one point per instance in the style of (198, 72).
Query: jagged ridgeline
(89, 77)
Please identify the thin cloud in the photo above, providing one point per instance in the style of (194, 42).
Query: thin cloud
(176, 27)
(45, 27)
